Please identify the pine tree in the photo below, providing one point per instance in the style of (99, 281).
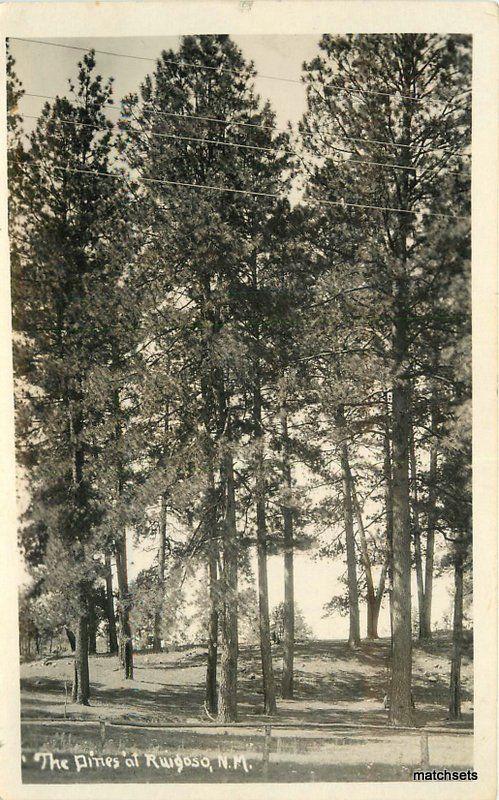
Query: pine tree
(399, 104)
(62, 327)
(203, 247)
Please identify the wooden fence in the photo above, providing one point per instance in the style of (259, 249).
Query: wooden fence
(267, 731)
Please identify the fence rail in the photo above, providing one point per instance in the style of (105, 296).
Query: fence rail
(255, 725)
(265, 730)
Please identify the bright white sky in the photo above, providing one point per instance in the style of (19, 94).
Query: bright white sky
(45, 70)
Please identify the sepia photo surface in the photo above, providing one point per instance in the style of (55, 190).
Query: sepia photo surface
(247, 365)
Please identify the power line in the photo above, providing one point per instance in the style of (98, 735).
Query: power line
(166, 135)
(202, 140)
(342, 139)
(397, 144)
(309, 201)
(193, 65)
(113, 107)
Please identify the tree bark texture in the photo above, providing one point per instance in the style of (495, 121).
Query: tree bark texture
(269, 699)
(416, 528)
(457, 641)
(211, 666)
(401, 711)
(81, 680)
(213, 558)
(111, 617)
(430, 536)
(125, 633)
(92, 627)
(387, 476)
(71, 638)
(287, 686)
(353, 590)
(157, 646)
(227, 697)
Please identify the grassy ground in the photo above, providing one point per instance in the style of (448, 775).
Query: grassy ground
(333, 684)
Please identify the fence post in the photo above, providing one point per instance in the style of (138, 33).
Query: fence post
(102, 727)
(425, 751)
(266, 750)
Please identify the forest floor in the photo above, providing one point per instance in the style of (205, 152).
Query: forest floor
(333, 685)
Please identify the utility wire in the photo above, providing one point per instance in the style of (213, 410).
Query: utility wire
(386, 142)
(165, 135)
(178, 63)
(309, 201)
(201, 140)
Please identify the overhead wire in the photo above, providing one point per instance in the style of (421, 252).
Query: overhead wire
(271, 195)
(219, 69)
(185, 116)
(204, 140)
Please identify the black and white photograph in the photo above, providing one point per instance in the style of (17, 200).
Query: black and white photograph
(240, 277)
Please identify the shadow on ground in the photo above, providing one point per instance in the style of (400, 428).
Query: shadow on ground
(332, 684)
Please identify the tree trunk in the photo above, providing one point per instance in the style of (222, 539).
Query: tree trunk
(425, 626)
(289, 589)
(289, 608)
(81, 683)
(111, 618)
(213, 557)
(387, 475)
(125, 647)
(457, 641)
(373, 603)
(71, 639)
(373, 607)
(211, 666)
(353, 591)
(378, 598)
(222, 556)
(92, 627)
(74, 688)
(430, 536)
(156, 645)
(125, 634)
(418, 561)
(401, 711)
(269, 700)
(227, 698)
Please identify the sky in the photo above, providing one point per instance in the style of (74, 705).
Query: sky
(45, 70)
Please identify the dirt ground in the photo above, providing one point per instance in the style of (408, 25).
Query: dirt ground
(333, 684)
